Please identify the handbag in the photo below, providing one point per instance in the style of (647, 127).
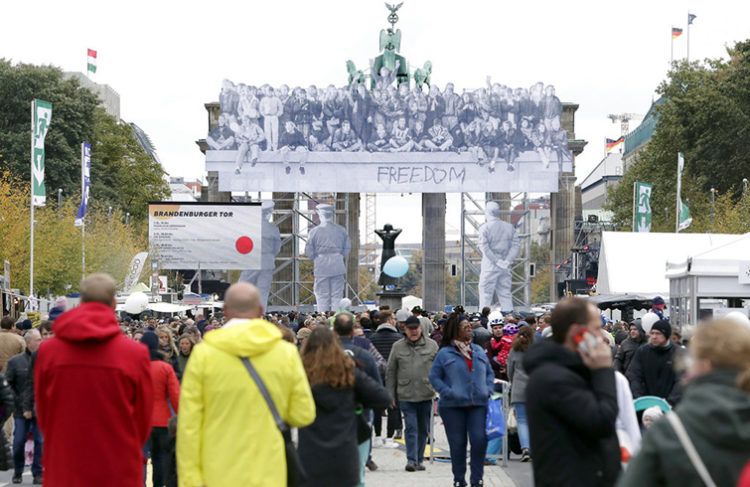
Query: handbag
(689, 448)
(495, 422)
(295, 472)
(512, 422)
(364, 432)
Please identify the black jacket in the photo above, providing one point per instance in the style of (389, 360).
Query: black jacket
(571, 412)
(328, 447)
(625, 353)
(17, 375)
(384, 338)
(27, 394)
(651, 373)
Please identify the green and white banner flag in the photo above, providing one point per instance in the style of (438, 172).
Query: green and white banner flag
(642, 206)
(41, 114)
(683, 212)
(685, 218)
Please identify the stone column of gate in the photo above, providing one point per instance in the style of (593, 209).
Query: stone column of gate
(433, 253)
(563, 204)
(284, 202)
(350, 221)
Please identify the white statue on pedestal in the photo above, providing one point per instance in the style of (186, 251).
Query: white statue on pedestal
(499, 245)
(328, 246)
(271, 239)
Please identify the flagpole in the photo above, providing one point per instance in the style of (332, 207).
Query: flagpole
(671, 49)
(677, 197)
(83, 219)
(688, 39)
(31, 213)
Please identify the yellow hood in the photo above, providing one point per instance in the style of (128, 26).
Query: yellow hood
(244, 338)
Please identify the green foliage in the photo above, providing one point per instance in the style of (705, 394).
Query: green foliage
(122, 174)
(706, 115)
(110, 244)
(540, 283)
(72, 122)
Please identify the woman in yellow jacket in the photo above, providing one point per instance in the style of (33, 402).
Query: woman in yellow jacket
(226, 435)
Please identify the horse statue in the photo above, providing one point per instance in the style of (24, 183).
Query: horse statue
(422, 75)
(356, 76)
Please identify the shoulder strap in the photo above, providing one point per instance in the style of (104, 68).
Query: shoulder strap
(692, 453)
(264, 392)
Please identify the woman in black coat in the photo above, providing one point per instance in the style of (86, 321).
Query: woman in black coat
(328, 448)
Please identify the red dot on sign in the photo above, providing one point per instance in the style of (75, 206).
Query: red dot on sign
(244, 245)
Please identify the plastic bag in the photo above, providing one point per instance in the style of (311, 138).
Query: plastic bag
(495, 419)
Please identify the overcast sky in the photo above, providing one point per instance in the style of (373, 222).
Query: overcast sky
(166, 59)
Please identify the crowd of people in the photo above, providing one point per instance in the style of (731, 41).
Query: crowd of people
(212, 400)
(495, 122)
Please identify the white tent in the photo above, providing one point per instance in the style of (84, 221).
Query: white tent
(710, 281)
(408, 302)
(634, 262)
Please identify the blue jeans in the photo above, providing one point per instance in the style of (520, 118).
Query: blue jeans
(459, 423)
(364, 452)
(22, 427)
(417, 419)
(523, 424)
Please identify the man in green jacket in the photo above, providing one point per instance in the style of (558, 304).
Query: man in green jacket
(407, 380)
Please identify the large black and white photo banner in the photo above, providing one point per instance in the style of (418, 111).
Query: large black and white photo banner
(388, 139)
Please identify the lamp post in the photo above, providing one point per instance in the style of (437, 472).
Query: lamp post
(59, 198)
(127, 218)
(713, 206)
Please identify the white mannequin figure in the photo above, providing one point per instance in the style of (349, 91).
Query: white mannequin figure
(499, 245)
(328, 246)
(271, 238)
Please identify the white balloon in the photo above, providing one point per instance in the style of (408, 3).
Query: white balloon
(136, 303)
(648, 320)
(739, 317)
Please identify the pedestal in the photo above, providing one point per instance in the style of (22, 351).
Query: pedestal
(392, 299)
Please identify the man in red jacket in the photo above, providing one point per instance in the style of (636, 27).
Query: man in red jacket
(94, 396)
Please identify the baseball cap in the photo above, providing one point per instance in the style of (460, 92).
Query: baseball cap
(402, 315)
(412, 322)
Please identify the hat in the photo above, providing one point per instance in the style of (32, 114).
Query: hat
(663, 327)
(151, 340)
(26, 324)
(412, 322)
(55, 312)
(303, 333)
(654, 412)
(417, 309)
(324, 208)
(658, 300)
(402, 315)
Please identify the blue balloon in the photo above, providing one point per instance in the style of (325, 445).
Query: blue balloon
(396, 267)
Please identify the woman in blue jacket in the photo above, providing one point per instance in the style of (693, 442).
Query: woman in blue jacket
(462, 375)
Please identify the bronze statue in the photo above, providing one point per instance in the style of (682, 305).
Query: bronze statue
(388, 235)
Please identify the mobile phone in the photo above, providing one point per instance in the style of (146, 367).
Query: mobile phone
(586, 341)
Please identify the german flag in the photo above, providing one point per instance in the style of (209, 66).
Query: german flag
(614, 144)
(676, 32)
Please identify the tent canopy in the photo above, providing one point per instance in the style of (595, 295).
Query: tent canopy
(717, 260)
(635, 262)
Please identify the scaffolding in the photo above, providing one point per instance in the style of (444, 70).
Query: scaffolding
(472, 217)
(292, 288)
(370, 253)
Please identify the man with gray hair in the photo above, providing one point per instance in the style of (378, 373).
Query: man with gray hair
(94, 395)
(17, 375)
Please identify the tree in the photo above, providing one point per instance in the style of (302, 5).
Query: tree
(705, 115)
(72, 122)
(110, 244)
(123, 175)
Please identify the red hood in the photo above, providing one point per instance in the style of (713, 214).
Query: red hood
(89, 321)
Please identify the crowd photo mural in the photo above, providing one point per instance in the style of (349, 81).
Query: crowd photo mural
(375, 120)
